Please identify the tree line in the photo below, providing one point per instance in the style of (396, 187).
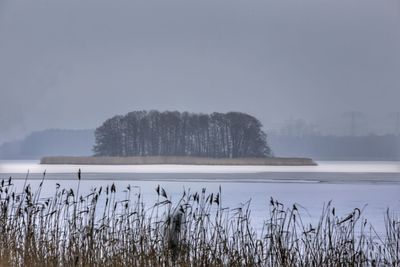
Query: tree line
(154, 133)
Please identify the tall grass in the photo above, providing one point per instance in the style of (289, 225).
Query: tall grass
(98, 229)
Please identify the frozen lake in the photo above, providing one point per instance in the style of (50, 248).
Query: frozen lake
(369, 186)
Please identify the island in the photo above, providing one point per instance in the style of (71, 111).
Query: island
(182, 138)
(177, 160)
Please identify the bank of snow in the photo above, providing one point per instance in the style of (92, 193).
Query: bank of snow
(322, 167)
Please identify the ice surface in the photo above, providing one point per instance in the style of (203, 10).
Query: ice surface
(323, 167)
(349, 185)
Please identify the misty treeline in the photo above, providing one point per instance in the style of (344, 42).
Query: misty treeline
(154, 133)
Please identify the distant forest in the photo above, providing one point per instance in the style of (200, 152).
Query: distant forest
(50, 142)
(318, 147)
(154, 133)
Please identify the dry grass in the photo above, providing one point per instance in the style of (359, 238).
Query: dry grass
(70, 229)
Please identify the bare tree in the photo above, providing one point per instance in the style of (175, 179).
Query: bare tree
(142, 133)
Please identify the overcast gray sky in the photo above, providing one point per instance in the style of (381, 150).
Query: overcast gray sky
(74, 63)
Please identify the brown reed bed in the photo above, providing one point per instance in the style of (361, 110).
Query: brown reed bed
(97, 229)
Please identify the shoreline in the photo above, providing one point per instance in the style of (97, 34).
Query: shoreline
(176, 160)
(260, 177)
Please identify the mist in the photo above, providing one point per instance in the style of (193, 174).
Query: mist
(72, 64)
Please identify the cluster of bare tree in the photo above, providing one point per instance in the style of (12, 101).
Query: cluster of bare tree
(154, 133)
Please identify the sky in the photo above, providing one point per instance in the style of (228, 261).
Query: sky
(74, 63)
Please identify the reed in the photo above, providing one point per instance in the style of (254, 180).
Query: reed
(98, 229)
